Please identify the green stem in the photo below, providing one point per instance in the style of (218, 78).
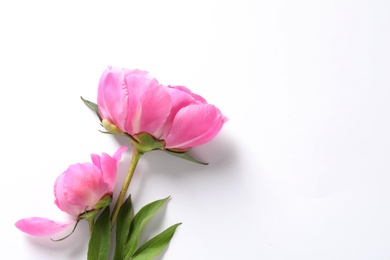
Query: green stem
(134, 160)
(91, 224)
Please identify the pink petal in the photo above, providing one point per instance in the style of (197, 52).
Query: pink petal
(180, 99)
(194, 96)
(118, 154)
(61, 200)
(41, 226)
(112, 97)
(109, 167)
(84, 186)
(149, 104)
(96, 160)
(195, 125)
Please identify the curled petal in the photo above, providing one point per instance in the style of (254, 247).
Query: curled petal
(41, 226)
(109, 167)
(61, 200)
(96, 160)
(180, 99)
(84, 186)
(118, 154)
(179, 90)
(149, 104)
(194, 125)
(112, 96)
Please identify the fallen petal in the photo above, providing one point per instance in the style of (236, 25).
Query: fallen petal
(41, 226)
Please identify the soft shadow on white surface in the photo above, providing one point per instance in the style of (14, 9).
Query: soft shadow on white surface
(72, 247)
(220, 153)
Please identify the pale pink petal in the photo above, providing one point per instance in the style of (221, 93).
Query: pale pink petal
(61, 200)
(84, 186)
(180, 99)
(118, 154)
(96, 160)
(149, 104)
(109, 167)
(189, 92)
(112, 96)
(194, 125)
(41, 226)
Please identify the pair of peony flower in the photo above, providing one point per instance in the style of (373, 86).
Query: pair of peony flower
(131, 102)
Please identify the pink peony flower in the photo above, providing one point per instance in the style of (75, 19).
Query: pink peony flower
(78, 190)
(134, 102)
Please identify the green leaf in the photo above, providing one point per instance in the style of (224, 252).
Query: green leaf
(138, 223)
(99, 242)
(185, 156)
(156, 245)
(92, 106)
(123, 228)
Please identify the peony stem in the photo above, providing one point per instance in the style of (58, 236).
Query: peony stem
(91, 225)
(134, 160)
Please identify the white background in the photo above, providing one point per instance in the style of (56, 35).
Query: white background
(300, 171)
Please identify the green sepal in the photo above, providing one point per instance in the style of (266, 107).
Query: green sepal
(123, 221)
(103, 202)
(138, 223)
(99, 243)
(92, 106)
(107, 132)
(156, 245)
(185, 156)
(89, 215)
(145, 142)
(111, 128)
